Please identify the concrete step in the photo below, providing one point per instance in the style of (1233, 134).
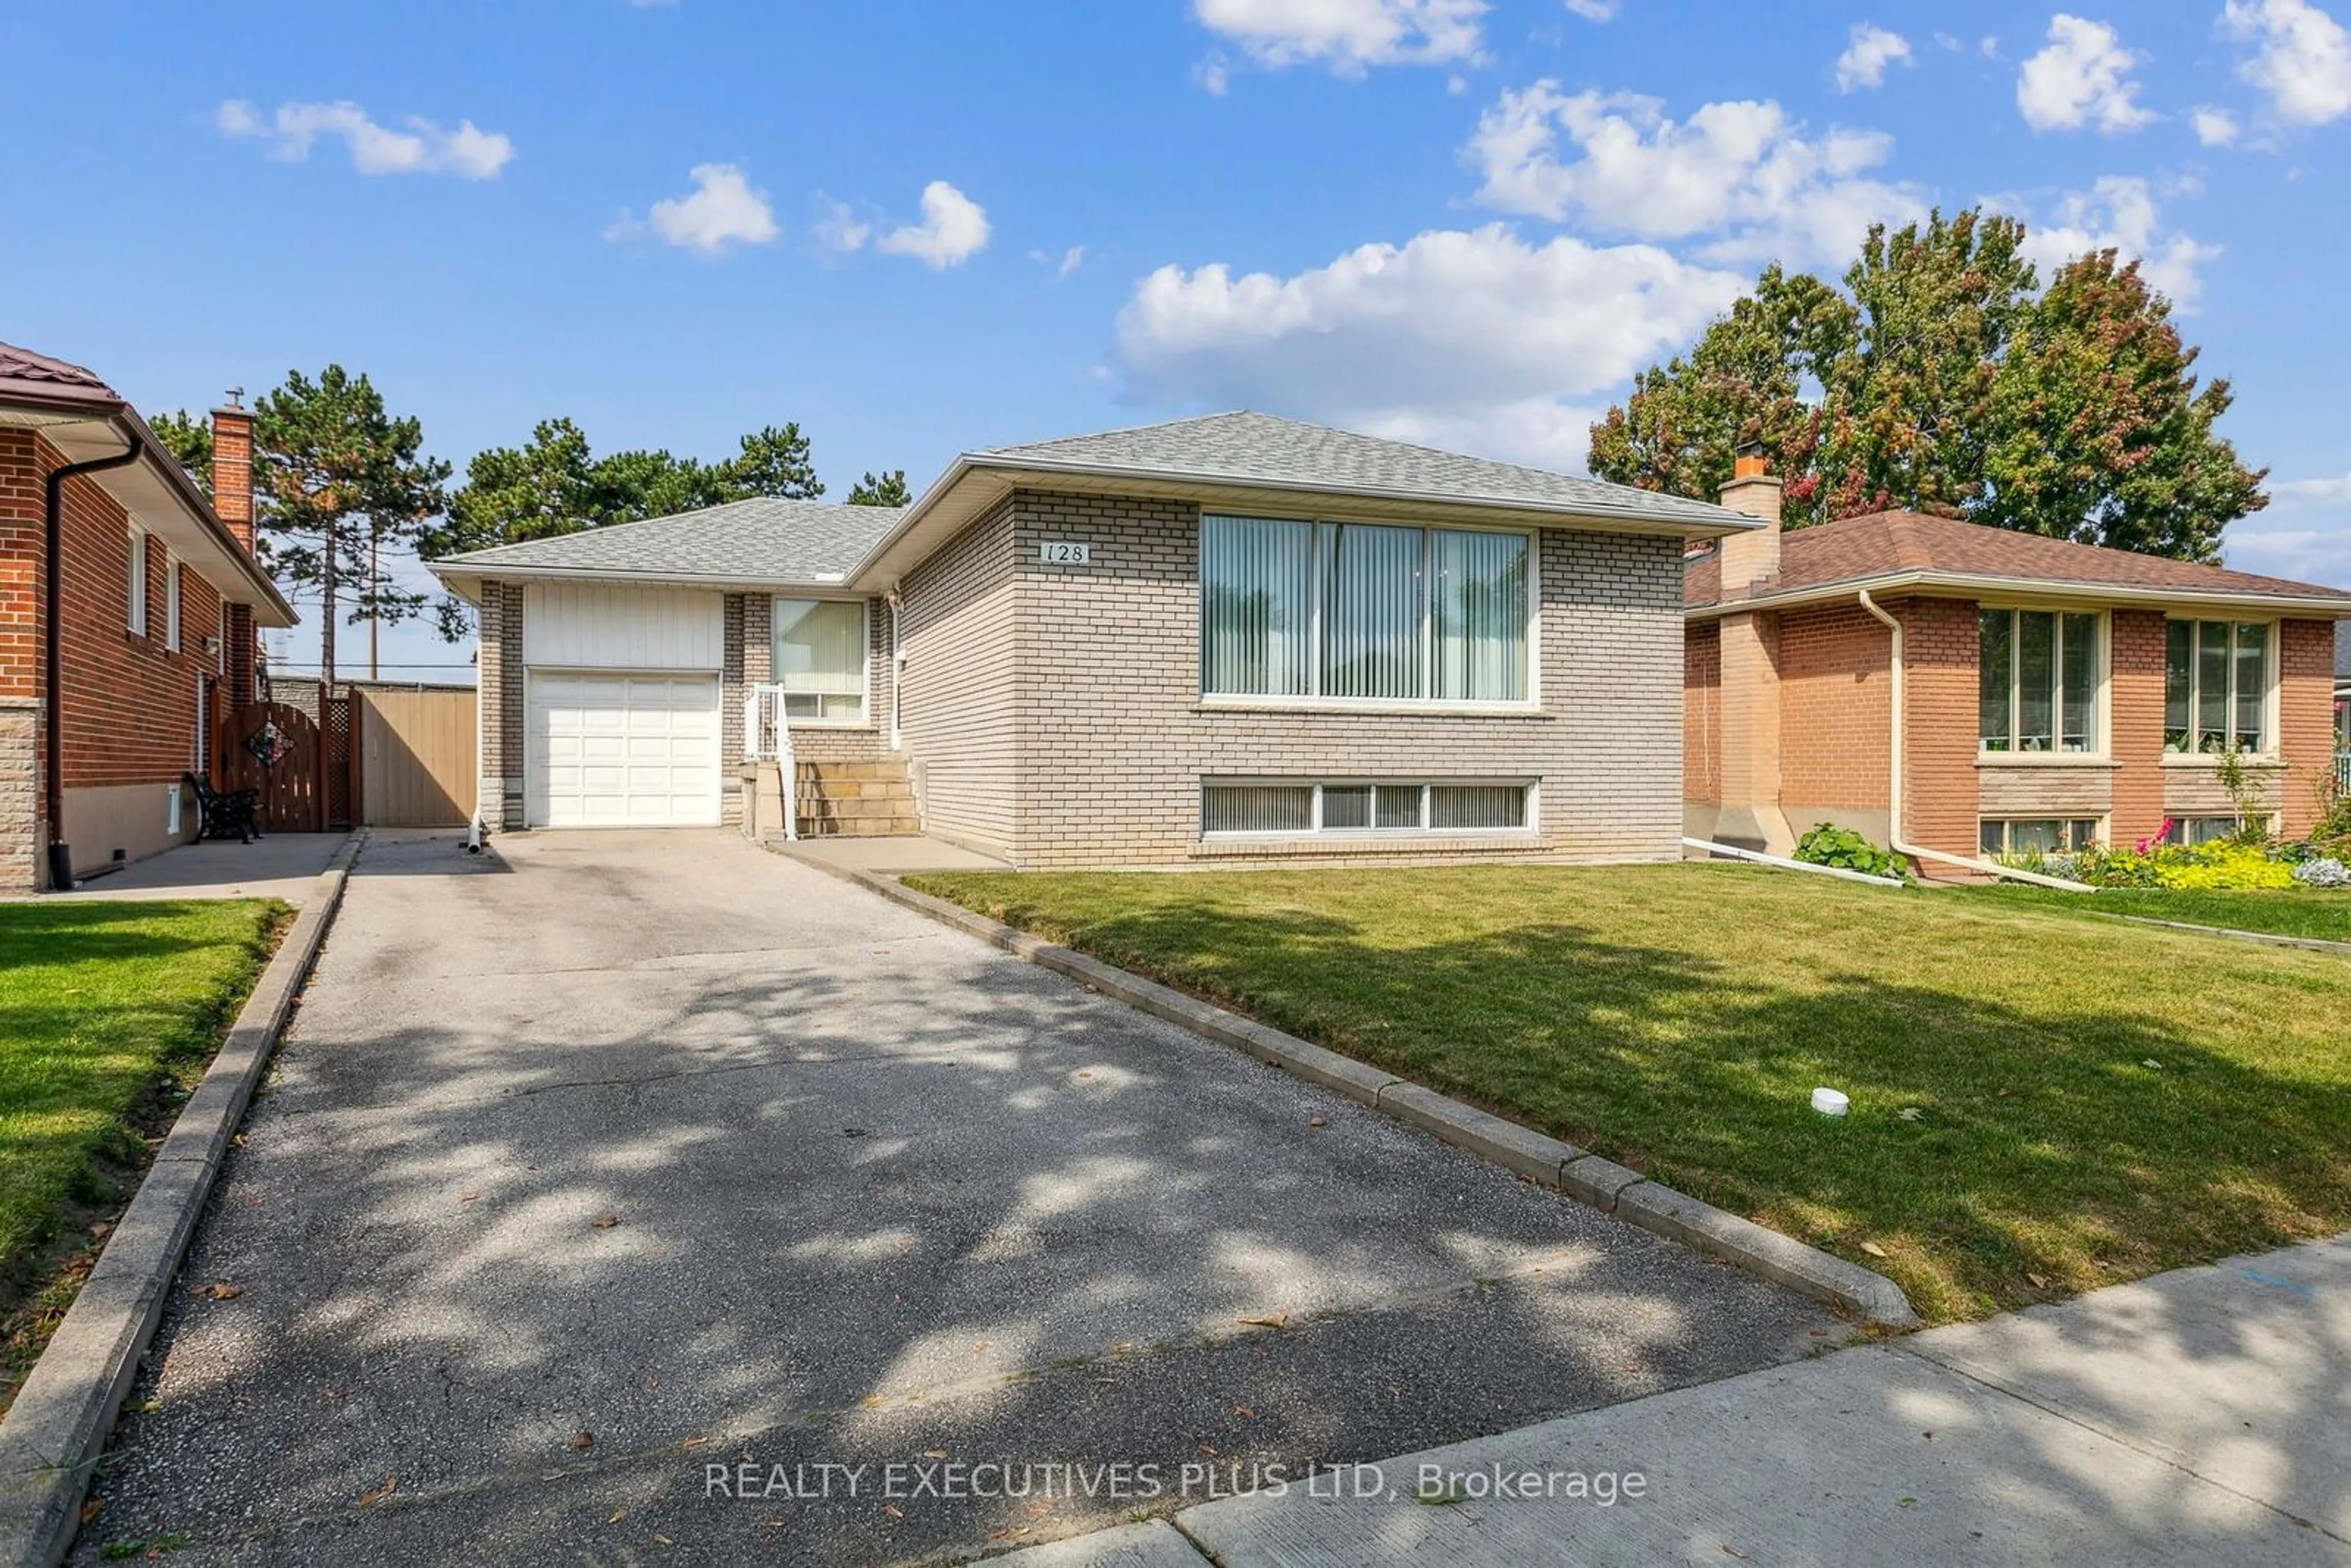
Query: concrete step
(822, 772)
(905, 827)
(856, 808)
(857, 788)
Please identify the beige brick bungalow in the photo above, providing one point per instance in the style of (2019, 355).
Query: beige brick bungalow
(1230, 638)
(1967, 690)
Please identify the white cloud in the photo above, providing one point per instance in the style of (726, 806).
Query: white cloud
(1072, 260)
(839, 231)
(1741, 172)
(1867, 54)
(2119, 212)
(2305, 533)
(1348, 36)
(953, 229)
(2213, 127)
(2081, 77)
(2303, 63)
(1593, 10)
(724, 208)
(1474, 340)
(424, 148)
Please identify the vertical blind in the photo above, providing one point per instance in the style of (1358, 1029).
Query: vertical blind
(2216, 685)
(1361, 610)
(2038, 674)
(819, 657)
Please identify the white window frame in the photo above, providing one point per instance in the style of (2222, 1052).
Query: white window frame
(2226, 823)
(2101, 677)
(134, 583)
(2191, 753)
(171, 601)
(865, 719)
(2098, 829)
(1313, 697)
(1530, 788)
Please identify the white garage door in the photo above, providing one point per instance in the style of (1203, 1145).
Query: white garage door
(610, 750)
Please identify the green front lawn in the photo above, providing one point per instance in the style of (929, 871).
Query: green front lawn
(2302, 912)
(108, 1013)
(2090, 1100)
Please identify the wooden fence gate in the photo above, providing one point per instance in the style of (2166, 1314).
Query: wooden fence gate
(417, 765)
(276, 748)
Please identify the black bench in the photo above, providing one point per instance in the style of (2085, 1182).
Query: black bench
(226, 813)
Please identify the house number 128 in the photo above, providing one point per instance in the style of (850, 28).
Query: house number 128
(1065, 552)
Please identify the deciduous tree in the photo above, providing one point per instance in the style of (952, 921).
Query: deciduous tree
(1939, 380)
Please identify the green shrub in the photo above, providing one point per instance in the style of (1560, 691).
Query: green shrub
(2225, 864)
(1828, 844)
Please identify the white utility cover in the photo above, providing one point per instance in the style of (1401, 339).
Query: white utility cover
(615, 750)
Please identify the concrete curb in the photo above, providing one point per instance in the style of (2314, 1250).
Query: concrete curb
(57, 1428)
(1584, 1176)
(2266, 938)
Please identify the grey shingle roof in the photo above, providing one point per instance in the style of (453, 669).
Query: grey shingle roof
(762, 539)
(1262, 449)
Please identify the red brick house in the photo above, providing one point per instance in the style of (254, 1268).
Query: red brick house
(1967, 690)
(157, 601)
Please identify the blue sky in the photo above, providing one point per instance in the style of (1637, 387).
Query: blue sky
(918, 228)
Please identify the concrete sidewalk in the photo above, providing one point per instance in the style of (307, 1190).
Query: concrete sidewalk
(277, 865)
(2202, 1415)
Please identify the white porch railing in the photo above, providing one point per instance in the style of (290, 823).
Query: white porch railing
(2343, 772)
(767, 739)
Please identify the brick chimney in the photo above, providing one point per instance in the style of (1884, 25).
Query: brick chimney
(1748, 741)
(240, 655)
(1749, 558)
(233, 469)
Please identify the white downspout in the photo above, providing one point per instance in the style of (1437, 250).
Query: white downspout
(1894, 782)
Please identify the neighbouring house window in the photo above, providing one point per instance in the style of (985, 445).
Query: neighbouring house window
(171, 602)
(2038, 674)
(134, 613)
(2216, 685)
(2198, 829)
(818, 655)
(2028, 835)
(1362, 610)
(1292, 808)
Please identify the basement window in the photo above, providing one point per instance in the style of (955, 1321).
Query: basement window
(2199, 830)
(1289, 808)
(2032, 835)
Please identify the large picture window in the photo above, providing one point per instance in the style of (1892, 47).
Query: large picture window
(819, 659)
(1362, 610)
(2216, 685)
(2039, 674)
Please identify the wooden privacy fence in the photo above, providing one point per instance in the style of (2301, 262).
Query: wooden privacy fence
(415, 756)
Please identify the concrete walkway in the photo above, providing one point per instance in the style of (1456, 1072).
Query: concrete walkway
(890, 857)
(279, 866)
(2200, 1416)
(633, 1197)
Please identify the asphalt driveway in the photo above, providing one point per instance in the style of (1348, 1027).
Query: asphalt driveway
(611, 1162)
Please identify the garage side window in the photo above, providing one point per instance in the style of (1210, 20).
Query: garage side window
(819, 658)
